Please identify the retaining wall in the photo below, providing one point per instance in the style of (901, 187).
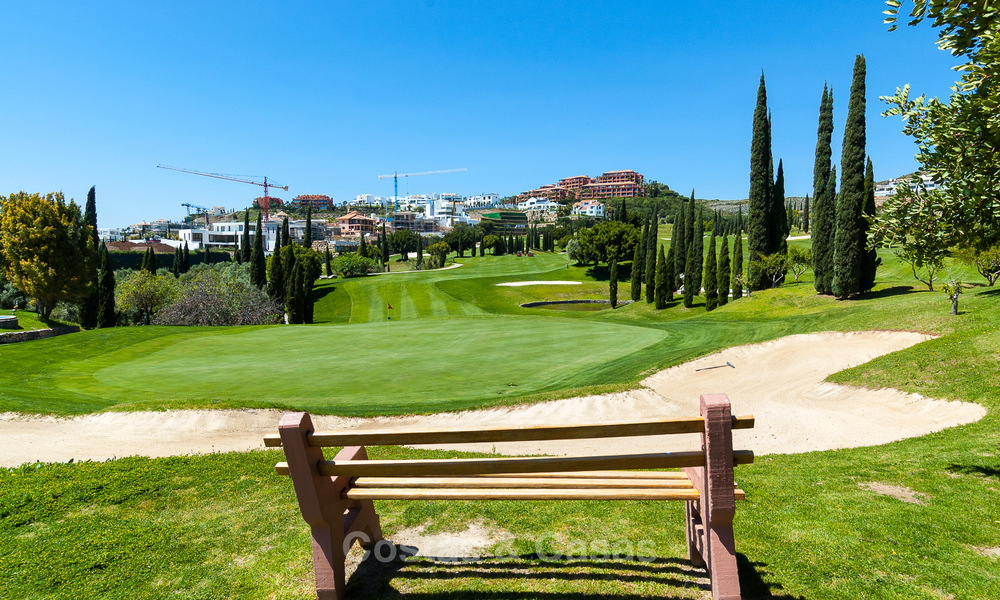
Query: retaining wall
(38, 334)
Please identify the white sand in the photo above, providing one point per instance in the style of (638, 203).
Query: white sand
(779, 382)
(524, 283)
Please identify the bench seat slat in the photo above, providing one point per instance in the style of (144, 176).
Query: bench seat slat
(491, 466)
(416, 437)
(519, 494)
(517, 482)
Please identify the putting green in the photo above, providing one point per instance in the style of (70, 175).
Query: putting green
(376, 368)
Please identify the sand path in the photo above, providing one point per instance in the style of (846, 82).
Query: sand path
(779, 382)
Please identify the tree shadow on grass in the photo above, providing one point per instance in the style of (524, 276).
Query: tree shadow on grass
(992, 292)
(373, 578)
(752, 583)
(896, 290)
(983, 471)
(323, 292)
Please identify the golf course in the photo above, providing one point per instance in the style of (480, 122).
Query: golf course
(830, 524)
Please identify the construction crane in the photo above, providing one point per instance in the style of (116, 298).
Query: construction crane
(396, 176)
(197, 209)
(264, 183)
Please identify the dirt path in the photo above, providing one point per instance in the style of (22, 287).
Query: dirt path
(779, 382)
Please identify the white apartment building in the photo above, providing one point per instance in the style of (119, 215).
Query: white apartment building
(536, 203)
(888, 187)
(482, 201)
(589, 208)
(106, 234)
(231, 233)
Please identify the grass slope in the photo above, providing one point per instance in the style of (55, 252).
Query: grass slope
(224, 526)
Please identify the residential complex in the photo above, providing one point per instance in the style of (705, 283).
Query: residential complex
(888, 187)
(316, 201)
(613, 184)
(230, 234)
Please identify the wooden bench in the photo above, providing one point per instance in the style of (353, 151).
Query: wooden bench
(335, 496)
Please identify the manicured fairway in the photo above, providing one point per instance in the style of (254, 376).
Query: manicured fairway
(376, 368)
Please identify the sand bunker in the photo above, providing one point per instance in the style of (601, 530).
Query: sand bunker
(779, 382)
(524, 283)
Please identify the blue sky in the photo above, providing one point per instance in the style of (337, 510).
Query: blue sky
(325, 96)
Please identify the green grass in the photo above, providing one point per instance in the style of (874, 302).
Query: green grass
(224, 526)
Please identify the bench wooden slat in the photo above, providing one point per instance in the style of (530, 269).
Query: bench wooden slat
(517, 482)
(493, 466)
(509, 434)
(601, 474)
(519, 494)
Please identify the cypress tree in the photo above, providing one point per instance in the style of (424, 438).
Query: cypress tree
(735, 281)
(106, 316)
(660, 284)
(89, 247)
(385, 246)
(689, 277)
(243, 254)
(293, 295)
(677, 241)
(420, 251)
(711, 281)
(176, 267)
(186, 259)
(640, 258)
(286, 236)
(637, 266)
(308, 239)
(613, 286)
(258, 264)
(650, 268)
(649, 265)
(805, 215)
(689, 226)
(759, 213)
(698, 252)
(724, 273)
(779, 227)
(668, 276)
(623, 216)
(848, 253)
(276, 279)
(824, 227)
(328, 259)
(823, 220)
(308, 302)
(461, 250)
(870, 260)
(149, 261)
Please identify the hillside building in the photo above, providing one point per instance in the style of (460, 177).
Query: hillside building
(589, 208)
(316, 201)
(355, 224)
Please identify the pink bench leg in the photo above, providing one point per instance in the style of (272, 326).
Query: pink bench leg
(713, 541)
(332, 520)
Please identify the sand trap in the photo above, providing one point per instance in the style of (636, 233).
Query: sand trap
(779, 382)
(524, 283)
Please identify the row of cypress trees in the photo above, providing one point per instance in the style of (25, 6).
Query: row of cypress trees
(843, 265)
(663, 272)
(767, 222)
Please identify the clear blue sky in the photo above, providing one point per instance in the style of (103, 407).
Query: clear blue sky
(325, 96)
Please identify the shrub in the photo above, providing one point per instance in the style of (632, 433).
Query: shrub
(354, 264)
(219, 295)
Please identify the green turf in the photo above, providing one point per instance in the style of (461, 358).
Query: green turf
(224, 526)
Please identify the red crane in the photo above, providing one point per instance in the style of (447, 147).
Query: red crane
(264, 183)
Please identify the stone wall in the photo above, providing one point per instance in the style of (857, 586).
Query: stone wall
(38, 334)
